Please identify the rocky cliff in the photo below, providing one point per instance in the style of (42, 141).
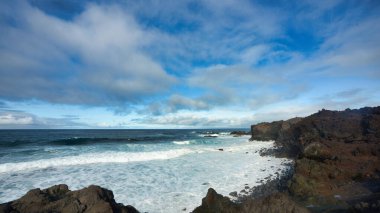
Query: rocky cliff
(271, 131)
(337, 164)
(337, 158)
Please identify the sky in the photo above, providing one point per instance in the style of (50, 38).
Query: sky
(184, 64)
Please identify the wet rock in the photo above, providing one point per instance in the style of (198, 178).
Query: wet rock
(221, 150)
(59, 198)
(210, 136)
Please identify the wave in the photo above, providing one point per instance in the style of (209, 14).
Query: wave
(14, 143)
(74, 141)
(85, 141)
(181, 142)
(94, 158)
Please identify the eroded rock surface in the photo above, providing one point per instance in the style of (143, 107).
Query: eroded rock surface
(337, 158)
(271, 131)
(59, 198)
(277, 202)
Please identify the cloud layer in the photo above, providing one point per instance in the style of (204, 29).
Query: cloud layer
(95, 59)
(187, 63)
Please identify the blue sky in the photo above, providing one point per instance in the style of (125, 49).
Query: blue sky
(184, 64)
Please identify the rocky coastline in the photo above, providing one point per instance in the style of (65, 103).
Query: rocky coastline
(336, 169)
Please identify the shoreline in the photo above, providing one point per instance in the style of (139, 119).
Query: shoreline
(274, 183)
(336, 159)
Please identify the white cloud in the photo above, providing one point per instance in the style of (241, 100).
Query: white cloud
(95, 59)
(10, 119)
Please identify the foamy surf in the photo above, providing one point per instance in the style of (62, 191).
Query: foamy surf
(94, 158)
(181, 142)
(121, 157)
(163, 171)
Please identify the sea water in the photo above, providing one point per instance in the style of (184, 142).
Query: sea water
(153, 170)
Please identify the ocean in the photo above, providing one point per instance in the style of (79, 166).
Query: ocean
(153, 170)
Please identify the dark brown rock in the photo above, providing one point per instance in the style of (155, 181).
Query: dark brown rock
(239, 133)
(336, 153)
(278, 202)
(59, 198)
(271, 131)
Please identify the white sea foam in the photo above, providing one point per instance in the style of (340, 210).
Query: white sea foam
(94, 158)
(224, 133)
(117, 157)
(181, 142)
(150, 184)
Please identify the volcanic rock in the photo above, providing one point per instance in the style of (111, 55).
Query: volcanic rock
(271, 131)
(337, 155)
(278, 202)
(59, 198)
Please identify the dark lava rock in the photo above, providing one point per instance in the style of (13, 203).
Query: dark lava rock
(220, 149)
(59, 198)
(239, 133)
(271, 131)
(210, 136)
(279, 202)
(337, 165)
(336, 153)
(233, 194)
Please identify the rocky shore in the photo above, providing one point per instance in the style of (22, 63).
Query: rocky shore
(337, 165)
(336, 169)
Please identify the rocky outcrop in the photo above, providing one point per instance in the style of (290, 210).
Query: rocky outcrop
(239, 133)
(271, 131)
(337, 158)
(59, 198)
(342, 128)
(337, 164)
(278, 202)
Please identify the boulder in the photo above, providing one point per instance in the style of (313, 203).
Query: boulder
(59, 198)
(278, 202)
(239, 133)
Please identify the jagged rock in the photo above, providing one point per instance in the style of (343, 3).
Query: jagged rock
(214, 202)
(271, 131)
(278, 202)
(239, 133)
(59, 198)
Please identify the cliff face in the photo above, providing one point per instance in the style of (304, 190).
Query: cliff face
(59, 198)
(271, 131)
(337, 157)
